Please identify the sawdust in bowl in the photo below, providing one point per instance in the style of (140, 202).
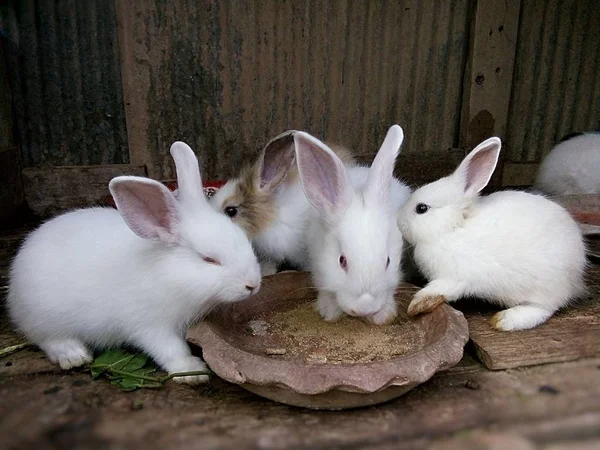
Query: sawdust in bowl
(306, 336)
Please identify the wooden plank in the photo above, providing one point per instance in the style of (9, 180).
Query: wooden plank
(570, 334)
(556, 83)
(488, 76)
(52, 190)
(466, 405)
(519, 174)
(417, 170)
(64, 70)
(226, 76)
(11, 188)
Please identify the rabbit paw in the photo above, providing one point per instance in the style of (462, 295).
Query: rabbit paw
(327, 307)
(268, 268)
(189, 364)
(424, 303)
(385, 315)
(67, 353)
(520, 317)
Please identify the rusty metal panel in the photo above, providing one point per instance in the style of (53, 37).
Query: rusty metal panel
(66, 82)
(556, 83)
(226, 75)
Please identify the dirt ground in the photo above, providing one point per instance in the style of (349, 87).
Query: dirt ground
(551, 406)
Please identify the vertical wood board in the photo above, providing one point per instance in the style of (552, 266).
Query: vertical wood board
(226, 76)
(64, 71)
(556, 83)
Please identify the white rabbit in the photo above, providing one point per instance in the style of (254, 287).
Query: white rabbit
(97, 278)
(267, 201)
(355, 245)
(519, 250)
(572, 167)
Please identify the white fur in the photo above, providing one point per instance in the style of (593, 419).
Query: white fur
(572, 167)
(360, 225)
(285, 238)
(85, 280)
(518, 250)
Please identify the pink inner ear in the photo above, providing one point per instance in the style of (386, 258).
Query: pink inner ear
(480, 169)
(147, 210)
(322, 178)
(278, 159)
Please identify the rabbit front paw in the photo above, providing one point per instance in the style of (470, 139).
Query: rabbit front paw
(385, 315)
(68, 353)
(424, 302)
(327, 307)
(189, 364)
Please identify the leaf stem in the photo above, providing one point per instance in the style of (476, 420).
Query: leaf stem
(184, 374)
(13, 348)
(126, 374)
(162, 380)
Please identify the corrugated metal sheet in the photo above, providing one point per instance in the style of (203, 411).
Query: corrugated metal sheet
(228, 75)
(556, 83)
(65, 76)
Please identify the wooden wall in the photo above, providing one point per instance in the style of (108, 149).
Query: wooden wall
(556, 83)
(115, 82)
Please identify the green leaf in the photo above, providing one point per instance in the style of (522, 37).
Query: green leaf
(128, 371)
(117, 360)
(131, 371)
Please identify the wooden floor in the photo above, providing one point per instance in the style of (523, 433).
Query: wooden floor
(549, 406)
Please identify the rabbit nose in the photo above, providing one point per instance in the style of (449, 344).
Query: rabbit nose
(250, 287)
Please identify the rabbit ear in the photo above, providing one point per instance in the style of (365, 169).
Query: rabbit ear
(147, 207)
(477, 168)
(322, 174)
(189, 181)
(382, 169)
(275, 162)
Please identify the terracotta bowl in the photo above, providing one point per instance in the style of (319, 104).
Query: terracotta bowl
(306, 375)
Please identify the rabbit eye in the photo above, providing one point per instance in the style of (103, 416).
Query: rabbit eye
(421, 208)
(231, 211)
(209, 260)
(343, 262)
(387, 263)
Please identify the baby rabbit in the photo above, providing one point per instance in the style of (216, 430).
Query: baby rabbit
(354, 244)
(98, 277)
(572, 167)
(519, 250)
(267, 201)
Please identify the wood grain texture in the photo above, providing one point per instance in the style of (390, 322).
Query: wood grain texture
(488, 77)
(556, 83)
(11, 188)
(227, 76)
(550, 407)
(56, 189)
(65, 78)
(570, 334)
(519, 174)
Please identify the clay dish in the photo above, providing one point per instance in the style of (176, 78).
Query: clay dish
(276, 346)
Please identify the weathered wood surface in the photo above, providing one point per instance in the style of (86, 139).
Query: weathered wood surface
(63, 62)
(9, 244)
(467, 407)
(488, 75)
(229, 75)
(542, 405)
(52, 190)
(519, 174)
(11, 188)
(570, 334)
(556, 80)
